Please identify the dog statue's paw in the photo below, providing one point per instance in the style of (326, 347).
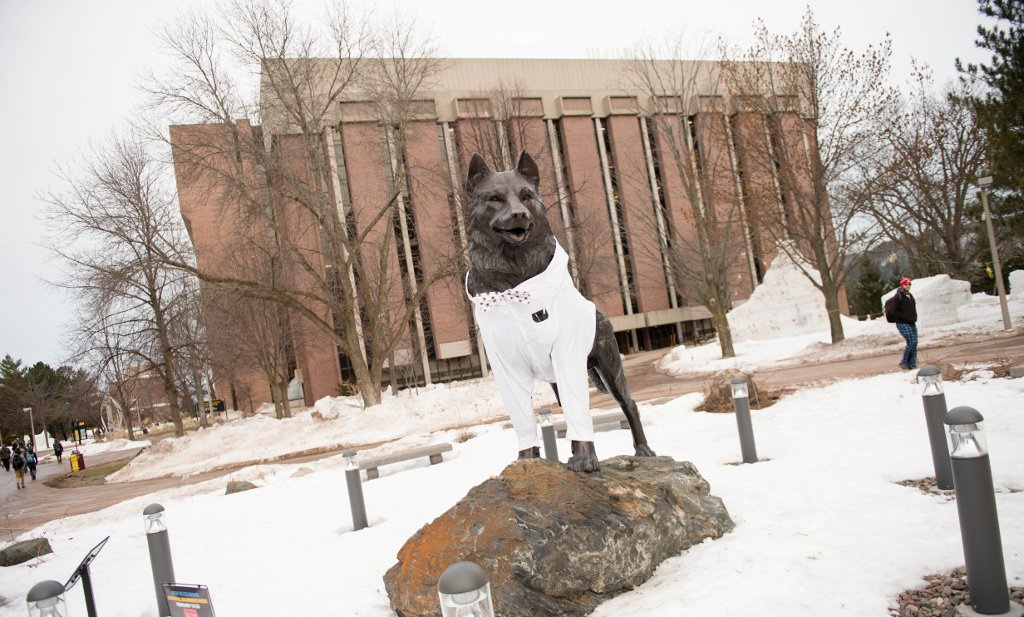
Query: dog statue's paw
(644, 450)
(584, 458)
(533, 452)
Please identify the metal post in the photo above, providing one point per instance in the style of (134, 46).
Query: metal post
(159, 555)
(547, 432)
(935, 414)
(984, 183)
(976, 506)
(355, 491)
(32, 425)
(90, 602)
(741, 403)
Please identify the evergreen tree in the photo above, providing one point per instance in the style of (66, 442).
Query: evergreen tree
(866, 298)
(1000, 112)
(12, 388)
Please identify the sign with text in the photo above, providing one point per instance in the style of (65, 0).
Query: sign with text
(188, 600)
(216, 404)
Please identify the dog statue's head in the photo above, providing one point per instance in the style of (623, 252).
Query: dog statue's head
(505, 208)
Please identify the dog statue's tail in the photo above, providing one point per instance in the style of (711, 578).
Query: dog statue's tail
(598, 379)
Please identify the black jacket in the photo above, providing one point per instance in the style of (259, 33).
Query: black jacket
(906, 307)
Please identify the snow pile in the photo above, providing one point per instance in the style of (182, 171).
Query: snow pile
(938, 299)
(1016, 283)
(786, 304)
(332, 423)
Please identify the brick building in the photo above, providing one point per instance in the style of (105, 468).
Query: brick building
(610, 198)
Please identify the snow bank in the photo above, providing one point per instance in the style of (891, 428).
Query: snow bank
(785, 304)
(332, 423)
(1016, 283)
(938, 298)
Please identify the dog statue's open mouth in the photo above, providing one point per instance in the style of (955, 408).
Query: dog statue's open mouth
(515, 234)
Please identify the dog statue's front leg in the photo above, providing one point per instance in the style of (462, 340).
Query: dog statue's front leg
(584, 457)
(533, 452)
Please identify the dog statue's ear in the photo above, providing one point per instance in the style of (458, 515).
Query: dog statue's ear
(477, 170)
(527, 167)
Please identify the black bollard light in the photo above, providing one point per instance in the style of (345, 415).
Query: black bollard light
(159, 554)
(547, 432)
(741, 403)
(355, 491)
(976, 506)
(46, 599)
(935, 415)
(465, 591)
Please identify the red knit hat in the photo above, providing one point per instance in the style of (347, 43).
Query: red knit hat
(904, 281)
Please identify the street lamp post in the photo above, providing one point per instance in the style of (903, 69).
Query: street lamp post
(31, 424)
(984, 183)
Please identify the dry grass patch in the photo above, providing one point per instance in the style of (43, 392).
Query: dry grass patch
(718, 393)
(90, 476)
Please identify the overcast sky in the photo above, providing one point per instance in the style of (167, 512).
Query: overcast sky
(69, 67)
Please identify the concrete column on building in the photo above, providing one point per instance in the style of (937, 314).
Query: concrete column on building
(610, 200)
(563, 197)
(775, 176)
(456, 182)
(332, 143)
(660, 221)
(502, 130)
(734, 163)
(398, 174)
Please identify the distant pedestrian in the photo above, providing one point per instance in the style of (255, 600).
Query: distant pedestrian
(18, 463)
(5, 457)
(58, 450)
(31, 461)
(902, 309)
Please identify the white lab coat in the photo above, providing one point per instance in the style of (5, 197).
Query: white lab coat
(522, 350)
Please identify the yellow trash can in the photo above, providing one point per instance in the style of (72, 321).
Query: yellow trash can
(76, 464)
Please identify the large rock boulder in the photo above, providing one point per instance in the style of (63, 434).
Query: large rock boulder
(554, 542)
(26, 550)
(238, 486)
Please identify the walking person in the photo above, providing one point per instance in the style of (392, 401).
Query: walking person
(5, 457)
(58, 449)
(18, 463)
(31, 461)
(904, 313)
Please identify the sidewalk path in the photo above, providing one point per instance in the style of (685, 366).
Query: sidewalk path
(24, 510)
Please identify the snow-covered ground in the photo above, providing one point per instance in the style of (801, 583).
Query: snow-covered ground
(822, 527)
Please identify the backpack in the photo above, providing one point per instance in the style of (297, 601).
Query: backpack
(890, 308)
(17, 462)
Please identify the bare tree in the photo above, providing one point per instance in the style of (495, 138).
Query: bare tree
(921, 187)
(817, 102)
(191, 345)
(101, 343)
(697, 212)
(336, 264)
(113, 227)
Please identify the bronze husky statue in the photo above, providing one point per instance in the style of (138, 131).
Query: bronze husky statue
(534, 323)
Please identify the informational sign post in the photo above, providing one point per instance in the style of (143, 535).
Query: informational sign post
(188, 600)
(216, 404)
(82, 572)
